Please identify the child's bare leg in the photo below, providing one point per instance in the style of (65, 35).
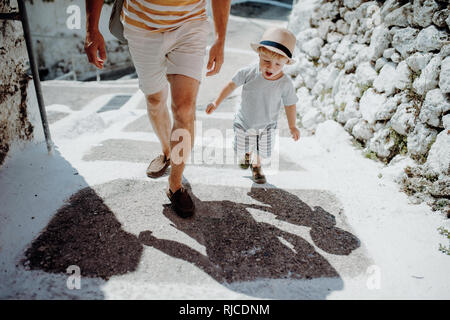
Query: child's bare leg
(255, 160)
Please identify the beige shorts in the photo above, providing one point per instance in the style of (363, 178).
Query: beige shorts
(180, 51)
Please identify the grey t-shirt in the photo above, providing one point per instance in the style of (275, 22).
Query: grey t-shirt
(261, 98)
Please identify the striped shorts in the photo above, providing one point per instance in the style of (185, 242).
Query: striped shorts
(254, 140)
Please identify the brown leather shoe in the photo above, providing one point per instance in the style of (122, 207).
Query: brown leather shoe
(258, 176)
(182, 202)
(158, 166)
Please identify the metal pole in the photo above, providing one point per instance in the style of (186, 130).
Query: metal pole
(34, 70)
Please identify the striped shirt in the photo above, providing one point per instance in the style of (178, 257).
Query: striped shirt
(161, 15)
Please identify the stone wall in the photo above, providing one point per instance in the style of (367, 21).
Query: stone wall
(19, 112)
(382, 70)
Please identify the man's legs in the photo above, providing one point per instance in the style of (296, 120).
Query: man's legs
(184, 92)
(159, 118)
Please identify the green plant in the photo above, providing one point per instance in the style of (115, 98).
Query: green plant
(325, 92)
(363, 88)
(400, 143)
(335, 114)
(369, 154)
(445, 233)
(357, 144)
(422, 158)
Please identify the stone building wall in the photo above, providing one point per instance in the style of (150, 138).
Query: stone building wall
(19, 112)
(382, 70)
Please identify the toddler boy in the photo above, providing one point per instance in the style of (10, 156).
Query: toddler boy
(265, 89)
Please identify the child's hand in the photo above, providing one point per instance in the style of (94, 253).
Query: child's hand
(295, 133)
(211, 107)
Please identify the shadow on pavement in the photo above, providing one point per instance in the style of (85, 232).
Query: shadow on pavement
(239, 248)
(34, 185)
(85, 233)
(244, 254)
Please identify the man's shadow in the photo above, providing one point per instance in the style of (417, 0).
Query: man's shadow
(239, 248)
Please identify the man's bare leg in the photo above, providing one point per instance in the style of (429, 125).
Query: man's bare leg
(159, 118)
(184, 95)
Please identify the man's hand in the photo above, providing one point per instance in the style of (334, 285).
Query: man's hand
(295, 133)
(216, 58)
(95, 42)
(211, 107)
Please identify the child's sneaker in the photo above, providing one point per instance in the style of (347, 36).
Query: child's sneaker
(258, 176)
(245, 162)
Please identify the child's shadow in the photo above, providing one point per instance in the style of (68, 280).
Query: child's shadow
(238, 248)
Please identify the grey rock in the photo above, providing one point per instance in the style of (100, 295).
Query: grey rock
(325, 27)
(351, 111)
(381, 144)
(365, 74)
(312, 47)
(352, 4)
(385, 82)
(353, 26)
(370, 104)
(398, 17)
(379, 41)
(430, 39)
(388, 7)
(439, 17)
(350, 124)
(441, 188)
(433, 107)
(388, 53)
(438, 160)
(345, 90)
(362, 53)
(423, 12)
(312, 118)
(342, 26)
(350, 16)
(420, 139)
(444, 77)
(403, 76)
(428, 79)
(334, 37)
(446, 122)
(380, 64)
(418, 61)
(396, 57)
(387, 109)
(445, 51)
(302, 15)
(403, 119)
(306, 35)
(404, 40)
(362, 130)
